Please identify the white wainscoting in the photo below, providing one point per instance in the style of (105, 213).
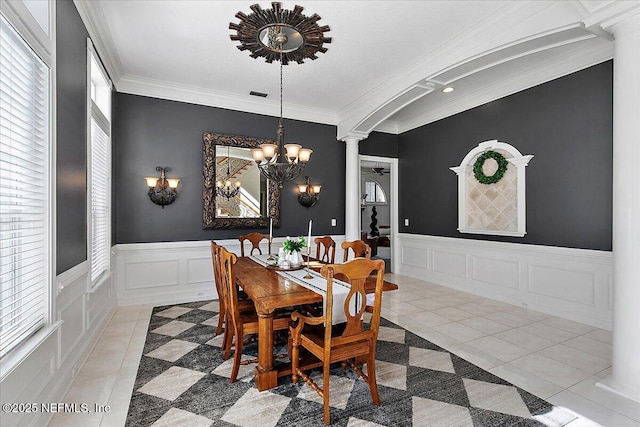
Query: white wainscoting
(51, 359)
(571, 283)
(174, 272)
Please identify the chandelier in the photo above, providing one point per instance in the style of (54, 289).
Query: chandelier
(224, 188)
(284, 35)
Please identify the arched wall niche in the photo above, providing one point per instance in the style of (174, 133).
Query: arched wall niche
(498, 208)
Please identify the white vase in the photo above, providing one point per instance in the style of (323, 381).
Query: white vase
(294, 258)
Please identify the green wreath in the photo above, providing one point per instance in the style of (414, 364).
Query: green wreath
(497, 176)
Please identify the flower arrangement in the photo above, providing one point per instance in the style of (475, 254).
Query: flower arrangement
(294, 245)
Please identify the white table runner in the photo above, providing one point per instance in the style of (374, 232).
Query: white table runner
(318, 284)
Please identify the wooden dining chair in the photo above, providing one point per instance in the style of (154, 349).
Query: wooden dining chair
(255, 239)
(328, 247)
(344, 342)
(240, 323)
(360, 249)
(244, 303)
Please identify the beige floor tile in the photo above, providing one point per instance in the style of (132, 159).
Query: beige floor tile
(99, 390)
(486, 326)
(471, 354)
(476, 309)
(507, 319)
(567, 325)
(402, 307)
(76, 419)
(427, 318)
(577, 358)
(119, 329)
(427, 304)
(588, 345)
(498, 348)
(526, 381)
(458, 331)
(600, 335)
(453, 313)
(550, 370)
(524, 339)
(547, 332)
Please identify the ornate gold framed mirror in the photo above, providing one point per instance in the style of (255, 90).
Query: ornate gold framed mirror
(258, 199)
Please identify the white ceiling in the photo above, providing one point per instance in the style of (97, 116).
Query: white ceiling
(181, 50)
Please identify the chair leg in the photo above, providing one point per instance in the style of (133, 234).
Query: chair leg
(237, 355)
(373, 384)
(221, 317)
(325, 392)
(294, 361)
(227, 340)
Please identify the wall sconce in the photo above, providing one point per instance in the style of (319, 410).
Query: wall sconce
(162, 191)
(308, 194)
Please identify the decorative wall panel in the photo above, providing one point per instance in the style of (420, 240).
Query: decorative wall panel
(497, 208)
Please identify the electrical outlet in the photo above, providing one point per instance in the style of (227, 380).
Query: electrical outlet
(334, 222)
(406, 222)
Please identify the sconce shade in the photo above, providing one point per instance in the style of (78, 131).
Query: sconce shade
(162, 191)
(152, 181)
(308, 194)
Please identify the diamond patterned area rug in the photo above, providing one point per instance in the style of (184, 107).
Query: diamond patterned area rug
(183, 381)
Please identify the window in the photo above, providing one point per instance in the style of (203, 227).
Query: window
(99, 152)
(374, 193)
(25, 139)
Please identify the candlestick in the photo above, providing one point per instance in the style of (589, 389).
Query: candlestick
(308, 275)
(271, 258)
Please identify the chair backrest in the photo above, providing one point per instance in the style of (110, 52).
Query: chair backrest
(255, 239)
(360, 249)
(226, 262)
(328, 247)
(216, 271)
(355, 272)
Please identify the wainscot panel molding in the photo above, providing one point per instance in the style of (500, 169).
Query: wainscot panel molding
(574, 284)
(50, 361)
(175, 272)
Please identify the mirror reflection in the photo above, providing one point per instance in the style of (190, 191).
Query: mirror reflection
(235, 169)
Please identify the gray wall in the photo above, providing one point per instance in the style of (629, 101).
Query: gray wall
(566, 124)
(71, 160)
(150, 132)
(379, 144)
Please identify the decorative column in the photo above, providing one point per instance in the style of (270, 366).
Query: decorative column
(352, 187)
(625, 378)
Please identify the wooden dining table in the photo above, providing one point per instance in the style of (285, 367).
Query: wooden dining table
(270, 291)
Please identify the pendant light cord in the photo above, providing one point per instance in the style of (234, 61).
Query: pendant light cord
(281, 83)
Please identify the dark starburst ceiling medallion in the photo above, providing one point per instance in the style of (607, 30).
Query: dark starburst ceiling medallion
(280, 34)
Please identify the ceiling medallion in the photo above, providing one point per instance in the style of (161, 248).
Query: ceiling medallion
(280, 34)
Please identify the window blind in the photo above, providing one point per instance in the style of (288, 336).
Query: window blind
(24, 189)
(100, 199)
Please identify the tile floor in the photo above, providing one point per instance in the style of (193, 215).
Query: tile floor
(555, 359)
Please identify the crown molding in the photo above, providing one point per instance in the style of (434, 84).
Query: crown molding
(98, 29)
(542, 73)
(203, 96)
